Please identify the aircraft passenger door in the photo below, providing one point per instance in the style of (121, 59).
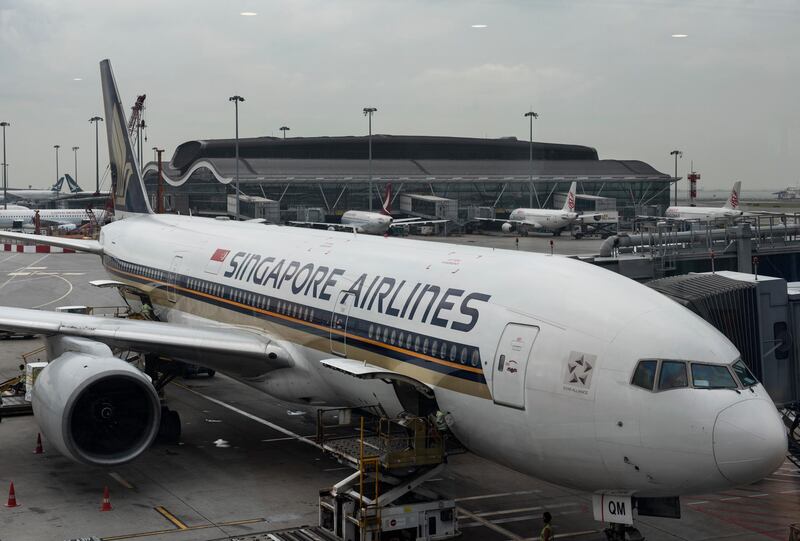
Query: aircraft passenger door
(339, 318)
(173, 278)
(511, 364)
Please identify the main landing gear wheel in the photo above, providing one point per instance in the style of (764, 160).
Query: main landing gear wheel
(169, 431)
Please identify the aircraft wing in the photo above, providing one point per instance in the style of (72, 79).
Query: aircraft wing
(410, 222)
(224, 348)
(325, 225)
(529, 223)
(81, 245)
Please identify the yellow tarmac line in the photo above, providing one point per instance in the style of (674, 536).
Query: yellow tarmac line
(188, 528)
(170, 517)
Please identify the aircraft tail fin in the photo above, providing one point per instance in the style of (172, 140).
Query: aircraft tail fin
(130, 195)
(387, 201)
(733, 199)
(569, 204)
(57, 186)
(72, 183)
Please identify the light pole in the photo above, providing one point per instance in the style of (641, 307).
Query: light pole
(75, 151)
(56, 147)
(677, 154)
(368, 111)
(531, 115)
(236, 100)
(96, 119)
(284, 129)
(4, 124)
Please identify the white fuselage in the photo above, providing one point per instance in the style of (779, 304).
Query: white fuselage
(703, 214)
(461, 320)
(545, 219)
(373, 223)
(29, 195)
(25, 216)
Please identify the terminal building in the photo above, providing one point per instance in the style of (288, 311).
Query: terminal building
(306, 178)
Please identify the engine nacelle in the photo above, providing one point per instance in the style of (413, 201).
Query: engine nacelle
(506, 227)
(98, 410)
(67, 227)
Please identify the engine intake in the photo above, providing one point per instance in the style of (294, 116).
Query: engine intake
(98, 410)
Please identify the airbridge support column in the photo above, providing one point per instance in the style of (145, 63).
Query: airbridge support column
(744, 248)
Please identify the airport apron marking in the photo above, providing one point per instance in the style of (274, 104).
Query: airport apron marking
(469, 354)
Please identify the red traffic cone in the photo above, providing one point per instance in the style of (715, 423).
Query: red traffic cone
(12, 497)
(106, 502)
(38, 450)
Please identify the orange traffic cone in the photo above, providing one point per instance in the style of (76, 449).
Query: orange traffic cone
(12, 497)
(106, 502)
(38, 450)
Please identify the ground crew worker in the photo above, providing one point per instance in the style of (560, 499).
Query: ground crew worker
(547, 532)
(147, 310)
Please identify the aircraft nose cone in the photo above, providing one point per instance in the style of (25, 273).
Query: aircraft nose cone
(749, 441)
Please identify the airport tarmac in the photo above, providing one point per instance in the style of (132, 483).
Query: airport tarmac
(245, 464)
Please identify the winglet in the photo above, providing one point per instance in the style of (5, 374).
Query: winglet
(130, 195)
(733, 199)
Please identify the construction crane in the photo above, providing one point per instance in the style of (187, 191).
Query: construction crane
(136, 125)
(136, 114)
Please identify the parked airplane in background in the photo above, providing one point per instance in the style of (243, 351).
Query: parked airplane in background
(546, 220)
(21, 217)
(372, 223)
(589, 392)
(727, 212)
(22, 194)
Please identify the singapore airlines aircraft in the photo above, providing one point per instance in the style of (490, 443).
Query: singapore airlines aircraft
(371, 223)
(63, 219)
(580, 377)
(729, 211)
(555, 221)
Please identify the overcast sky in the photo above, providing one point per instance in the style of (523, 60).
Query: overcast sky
(603, 73)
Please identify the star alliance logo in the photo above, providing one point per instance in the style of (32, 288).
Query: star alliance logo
(578, 372)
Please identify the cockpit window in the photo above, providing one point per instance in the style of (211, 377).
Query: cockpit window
(712, 376)
(645, 374)
(743, 373)
(673, 375)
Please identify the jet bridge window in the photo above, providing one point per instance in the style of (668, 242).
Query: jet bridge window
(673, 375)
(746, 377)
(712, 376)
(645, 374)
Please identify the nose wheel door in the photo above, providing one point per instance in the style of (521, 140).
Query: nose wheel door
(511, 363)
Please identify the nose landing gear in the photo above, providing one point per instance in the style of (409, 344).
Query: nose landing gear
(622, 532)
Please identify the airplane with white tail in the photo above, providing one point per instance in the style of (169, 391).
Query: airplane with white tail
(727, 212)
(546, 220)
(548, 365)
(371, 223)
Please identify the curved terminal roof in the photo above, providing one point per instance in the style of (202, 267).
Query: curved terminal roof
(384, 147)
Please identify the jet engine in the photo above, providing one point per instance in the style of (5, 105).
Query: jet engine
(506, 227)
(67, 227)
(98, 410)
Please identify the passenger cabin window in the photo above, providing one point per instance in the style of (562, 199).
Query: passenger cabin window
(712, 376)
(672, 376)
(746, 377)
(645, 374)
